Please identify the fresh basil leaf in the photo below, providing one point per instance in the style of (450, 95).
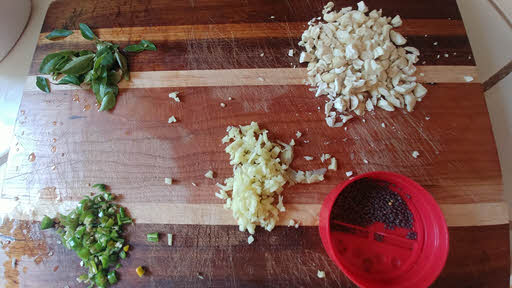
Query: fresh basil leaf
(69, 79)
(148, 45)
(134, 48)
(58, 33)
(87, 32)
(85, 52)
(78, 65)
(108, 102)
(123, 64)
(42, 84)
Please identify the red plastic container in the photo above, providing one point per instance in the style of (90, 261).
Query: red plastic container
(394, 260)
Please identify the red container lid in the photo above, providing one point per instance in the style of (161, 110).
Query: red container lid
(378, 257)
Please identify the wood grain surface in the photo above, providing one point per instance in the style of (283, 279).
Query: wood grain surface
(210, 51)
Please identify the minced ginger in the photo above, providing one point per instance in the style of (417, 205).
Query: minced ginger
(261, 170)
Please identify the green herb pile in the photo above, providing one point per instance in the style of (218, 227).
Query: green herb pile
(94, 231)
(101, 70)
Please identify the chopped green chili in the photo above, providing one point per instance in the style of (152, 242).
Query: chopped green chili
(94, 231)
(152, 237)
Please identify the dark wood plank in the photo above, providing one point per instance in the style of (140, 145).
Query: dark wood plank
(287, 257)
(124, 13)
(203, 54)
(458, 161)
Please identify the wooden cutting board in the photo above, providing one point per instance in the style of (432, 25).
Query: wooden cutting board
(211, 51)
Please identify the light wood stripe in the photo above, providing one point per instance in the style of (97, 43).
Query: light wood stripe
(412, 27)
(456, 215)
(255, 77)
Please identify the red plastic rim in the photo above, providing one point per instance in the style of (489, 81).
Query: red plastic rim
(394, 261)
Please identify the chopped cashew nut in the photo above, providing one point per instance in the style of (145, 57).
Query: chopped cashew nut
(174, 95)
(320, 274)
(333, 165)
(349, 173)
(415, 154)
(356, 61)
(209, 174)
(172, 119)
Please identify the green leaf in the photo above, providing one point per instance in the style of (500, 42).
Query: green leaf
(58, 33)
(78, 65)
(102, 44)
(108, 58)
(123, 64)
(69, 79)
(148, 45)
(134, 48)
(61, 64)
(108, 102)
(114, 76)
(85, 52)
(88, 77)
(87, 32)
(50, 62)
(42, 84)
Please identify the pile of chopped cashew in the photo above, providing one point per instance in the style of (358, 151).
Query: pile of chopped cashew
(355, 61)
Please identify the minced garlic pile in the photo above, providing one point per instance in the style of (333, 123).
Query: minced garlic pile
(261, 170)
(354, 60)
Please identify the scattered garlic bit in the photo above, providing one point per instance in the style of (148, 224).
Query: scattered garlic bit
(272, 17)
(349, 173)
(262, 54)
(222, 105)
(320, 274)
(427, 117)
(415, 154)
(435, 43)
(290, 53)
(169, 239)
(365, 161)
(383, 125)
(229, 98)
(168, 181)
(250, 239)
(308, 158)
(353, 60)
(298, 134)
(174, 95)
(200, 276)
(209, 174)
(261, 171)
(333, 165)
(446, 55)
(324, 157)
(296, 225)
(172, 119)
(306, 141)
(194, 184)
(261, 79)
(291, 223)
(468, 78)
